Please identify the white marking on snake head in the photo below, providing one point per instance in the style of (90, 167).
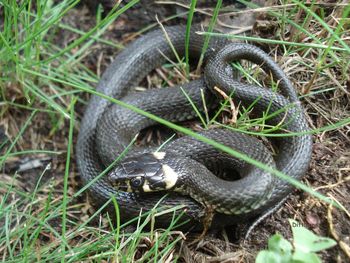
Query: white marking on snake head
(129, 189)
(146, 187)
(159, 155)
(170, 176)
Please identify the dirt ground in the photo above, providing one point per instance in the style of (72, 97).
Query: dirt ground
(329, 171)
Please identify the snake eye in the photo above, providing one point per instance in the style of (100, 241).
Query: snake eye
(136, 182)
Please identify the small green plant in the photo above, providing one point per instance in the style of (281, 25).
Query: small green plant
(304, 246)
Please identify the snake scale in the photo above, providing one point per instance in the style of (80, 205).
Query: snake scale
(106, 129)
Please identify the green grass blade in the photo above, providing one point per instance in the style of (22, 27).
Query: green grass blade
(210, 29)
(66, 176)
(24, 127)
(188, 35)
(325, 25)
(273, 41)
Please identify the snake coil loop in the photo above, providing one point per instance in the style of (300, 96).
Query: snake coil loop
(186, 166)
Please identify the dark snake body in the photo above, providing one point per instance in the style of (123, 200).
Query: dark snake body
(106, 129)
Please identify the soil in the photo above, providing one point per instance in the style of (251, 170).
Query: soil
(329, 171)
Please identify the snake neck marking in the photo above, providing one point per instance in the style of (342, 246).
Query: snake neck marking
(159, 155)
(144, 173)
(170, 176)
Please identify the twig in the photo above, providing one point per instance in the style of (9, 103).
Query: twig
(233, 109)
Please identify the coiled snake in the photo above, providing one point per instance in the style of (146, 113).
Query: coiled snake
(186, 165)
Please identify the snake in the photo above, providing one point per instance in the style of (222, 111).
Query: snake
(187, 172)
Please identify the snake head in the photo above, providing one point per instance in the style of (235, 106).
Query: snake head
(143, 173)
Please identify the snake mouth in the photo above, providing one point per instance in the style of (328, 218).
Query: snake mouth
(119, 180)
(122, 186)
